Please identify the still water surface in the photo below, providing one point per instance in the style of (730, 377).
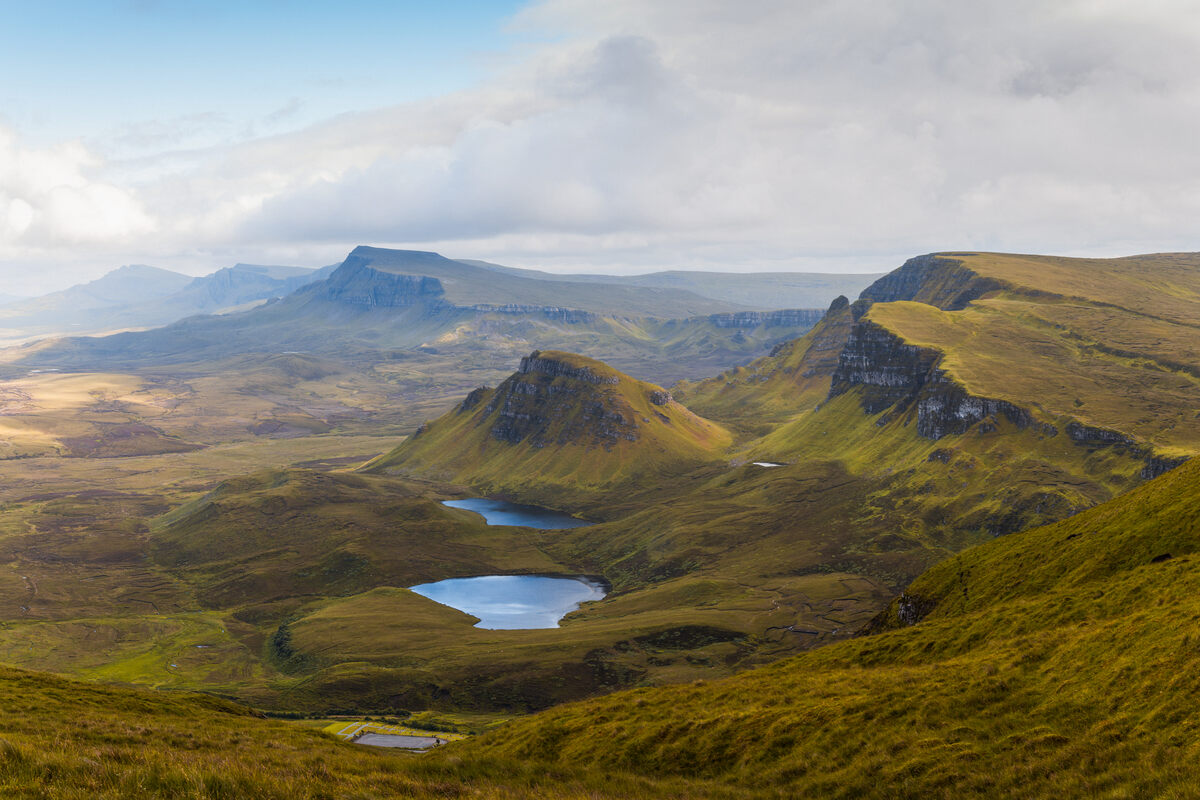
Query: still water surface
(501, 512)
(514, 602)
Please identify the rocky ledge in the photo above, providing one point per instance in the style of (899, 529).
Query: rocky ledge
(786, 318)
(537, 364)
(896, 374)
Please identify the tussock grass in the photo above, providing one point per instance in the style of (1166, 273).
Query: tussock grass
(1058, 662)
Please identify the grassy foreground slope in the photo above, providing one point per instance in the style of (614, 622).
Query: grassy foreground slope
(63, 740)
(1058, 662)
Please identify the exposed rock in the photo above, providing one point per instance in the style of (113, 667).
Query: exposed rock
(938, 280)
(1157, 465)
(787, 318)
(548, 394)
(660, 398)
(911, 608)
(355, 283)
(1103, 437)
(894, 373)
(567, 316)
(535, 364)
(473, 399)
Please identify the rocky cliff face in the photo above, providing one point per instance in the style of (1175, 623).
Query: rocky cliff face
(536, 364)
(355, 283)
(787, 318)
(896, 374)
(551, 402)
(937, 280)
(900, 376)
(567, 316)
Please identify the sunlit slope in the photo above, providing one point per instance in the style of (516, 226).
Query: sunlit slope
(1058, 662)
(996, 391)
(297, 580)
(792, 379)
(562, 420)
(65, 740)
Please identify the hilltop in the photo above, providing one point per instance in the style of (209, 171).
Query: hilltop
(562, 420)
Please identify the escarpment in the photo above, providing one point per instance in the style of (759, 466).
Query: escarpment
(786, 318)
(895, 374)
(537, 364)
(354, 283)
(936, 279)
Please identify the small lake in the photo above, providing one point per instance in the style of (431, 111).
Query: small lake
(396, 740)
(514, 602)
(502, 512)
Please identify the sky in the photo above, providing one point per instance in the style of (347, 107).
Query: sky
(577, 135)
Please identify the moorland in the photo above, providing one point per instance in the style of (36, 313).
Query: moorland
(934, 541)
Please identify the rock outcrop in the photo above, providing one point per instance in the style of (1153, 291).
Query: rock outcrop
(894, 373)
(354, 283)
(566, 316)
(549, 401)
(935, 279)
(536, 364)
(787, 318)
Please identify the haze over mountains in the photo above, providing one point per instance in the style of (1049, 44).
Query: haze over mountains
(138, 296)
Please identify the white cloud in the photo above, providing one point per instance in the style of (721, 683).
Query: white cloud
(668, 133)
(51, 201)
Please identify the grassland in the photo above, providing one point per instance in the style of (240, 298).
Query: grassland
(285, 586)
(64, 739)
(1058, 662)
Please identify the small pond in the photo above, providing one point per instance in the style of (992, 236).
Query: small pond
(502, 512)
(514, 602)
(402, 742)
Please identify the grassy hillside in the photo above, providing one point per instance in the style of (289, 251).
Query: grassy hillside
(1058, 662)
(65, 739)
(999, 391)
(563, 421)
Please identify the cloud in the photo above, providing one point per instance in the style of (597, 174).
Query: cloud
(770, 133)
(51, 198)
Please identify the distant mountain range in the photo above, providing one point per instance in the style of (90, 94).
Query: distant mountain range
(759, 290)
(139, 296)
(455, 316)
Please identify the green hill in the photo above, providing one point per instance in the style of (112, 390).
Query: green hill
(1004, 391)
(561, 422)
(1057, 662)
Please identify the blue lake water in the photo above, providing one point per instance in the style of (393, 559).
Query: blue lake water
(514, 602)
(501, 512)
